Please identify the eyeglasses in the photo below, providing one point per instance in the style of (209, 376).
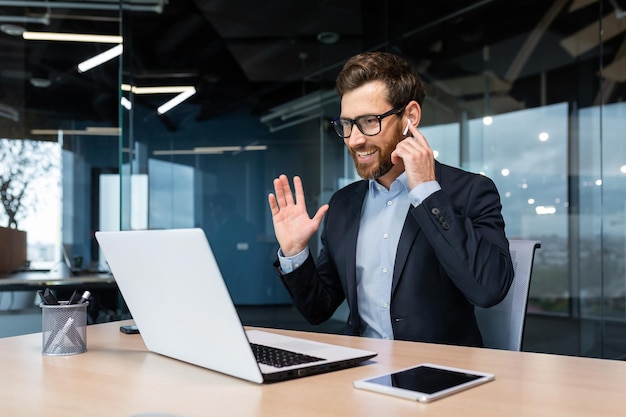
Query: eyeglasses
(369, 125)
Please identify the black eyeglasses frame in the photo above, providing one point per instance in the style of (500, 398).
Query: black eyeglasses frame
(380, 117)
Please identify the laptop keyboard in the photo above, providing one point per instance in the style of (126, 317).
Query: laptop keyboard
(280, 358)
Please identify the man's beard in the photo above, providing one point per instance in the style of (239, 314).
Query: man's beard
(383, 163)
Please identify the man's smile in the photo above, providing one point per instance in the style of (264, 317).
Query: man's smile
(366, 154)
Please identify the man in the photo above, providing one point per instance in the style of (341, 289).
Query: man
(416, 244)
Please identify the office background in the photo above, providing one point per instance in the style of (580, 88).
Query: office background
(530, 93)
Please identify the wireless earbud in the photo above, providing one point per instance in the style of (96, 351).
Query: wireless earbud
(406, 129)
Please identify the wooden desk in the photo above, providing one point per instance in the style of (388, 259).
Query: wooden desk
(117, 377)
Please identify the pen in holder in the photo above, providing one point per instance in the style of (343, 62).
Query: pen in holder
(64, 328)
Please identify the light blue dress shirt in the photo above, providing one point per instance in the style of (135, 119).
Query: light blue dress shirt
(382, 218)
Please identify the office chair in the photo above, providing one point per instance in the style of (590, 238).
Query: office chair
(502, 326)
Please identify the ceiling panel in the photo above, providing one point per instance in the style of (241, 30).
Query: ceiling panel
(251, 56)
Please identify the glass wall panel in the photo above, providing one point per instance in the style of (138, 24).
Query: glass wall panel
(532, 98)
(46, 100)
(65, 120)
(517, 98)
(601, 282)
(525, 153)
(613, 295)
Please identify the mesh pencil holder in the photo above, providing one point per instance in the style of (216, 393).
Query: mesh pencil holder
(64, 329)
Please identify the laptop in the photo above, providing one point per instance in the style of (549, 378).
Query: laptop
(177, 297)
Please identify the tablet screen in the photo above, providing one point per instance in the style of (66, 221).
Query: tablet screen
(425, 379)
(424, 382)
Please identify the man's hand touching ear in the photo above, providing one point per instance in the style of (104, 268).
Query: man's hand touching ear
(417, 156)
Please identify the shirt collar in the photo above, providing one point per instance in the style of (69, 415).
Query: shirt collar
(402, 181)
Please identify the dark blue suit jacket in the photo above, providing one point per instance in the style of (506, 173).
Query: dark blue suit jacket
(452, 254)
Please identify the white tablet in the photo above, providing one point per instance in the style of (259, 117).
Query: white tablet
(424, 382)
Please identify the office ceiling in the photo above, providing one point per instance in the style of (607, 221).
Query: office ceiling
(476, 56)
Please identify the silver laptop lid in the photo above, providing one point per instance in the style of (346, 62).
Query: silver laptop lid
(178, 299)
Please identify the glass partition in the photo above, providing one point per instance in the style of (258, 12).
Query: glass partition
(59, 130)
(68, 112)
(524, 108)
(531, 98)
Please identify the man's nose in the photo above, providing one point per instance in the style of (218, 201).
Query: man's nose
(356, 138)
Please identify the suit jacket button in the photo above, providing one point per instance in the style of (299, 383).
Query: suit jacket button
(445, 225)
(435, 211)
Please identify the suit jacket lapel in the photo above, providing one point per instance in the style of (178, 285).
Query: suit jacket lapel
(407, 237)
(409, 233)
(354, 205)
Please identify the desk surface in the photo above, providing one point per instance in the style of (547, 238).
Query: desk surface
(118, 377)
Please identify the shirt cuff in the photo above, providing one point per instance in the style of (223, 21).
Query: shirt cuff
(423, 191)
(291, 263)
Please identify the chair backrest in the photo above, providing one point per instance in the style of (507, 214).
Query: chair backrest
(502, 326)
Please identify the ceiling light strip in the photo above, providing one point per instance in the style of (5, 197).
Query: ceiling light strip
(169, 105)
(113, 131)
(179, 152)
(217, 149)
(71, 37)
(169, 89)
(156, 7)
(101, 58)
(210, 150)
(126, 103)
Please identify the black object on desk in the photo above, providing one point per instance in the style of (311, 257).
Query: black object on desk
(129, 329)
(48, 297)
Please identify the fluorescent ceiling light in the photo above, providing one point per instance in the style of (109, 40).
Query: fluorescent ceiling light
(145, 6)
(71, 37)
(115, 130)
(211, 150)
(169, 89)
(255, 148)
(100, 58)
(126, 103)
(89, 131)
(169, 105)
(216, 149)
(176, 152)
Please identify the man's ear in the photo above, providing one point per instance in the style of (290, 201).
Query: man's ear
(413, 111)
